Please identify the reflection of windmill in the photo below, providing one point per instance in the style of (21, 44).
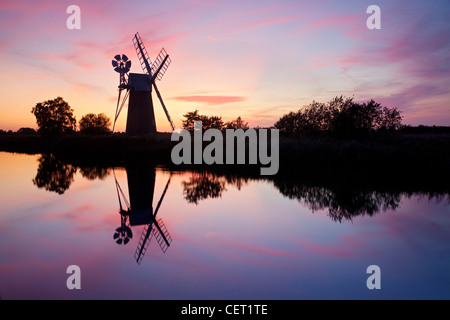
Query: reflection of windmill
(155, 228)
(123, 234)
(139, 210)
(141, 115)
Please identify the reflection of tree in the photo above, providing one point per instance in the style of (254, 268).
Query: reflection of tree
(93, 173)
(203, 186)
(236, 181)
(54, 175)
(208, 185)
(342, 203)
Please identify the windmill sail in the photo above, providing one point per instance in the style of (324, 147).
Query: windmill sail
(163, 106)
(157, 69)
(142, 54)
(161, 63)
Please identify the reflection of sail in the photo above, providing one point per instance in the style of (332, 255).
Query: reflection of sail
(154, 228)
(139, 209)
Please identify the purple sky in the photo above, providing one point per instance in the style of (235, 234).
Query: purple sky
(257, 59)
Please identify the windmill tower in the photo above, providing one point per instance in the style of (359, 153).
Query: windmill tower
(139, 211)
(141, 114)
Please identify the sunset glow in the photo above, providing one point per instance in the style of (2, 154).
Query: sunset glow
(255, 59)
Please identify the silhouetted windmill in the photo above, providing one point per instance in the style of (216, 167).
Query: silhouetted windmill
(122, 66)
(141, 115)
(139, 210)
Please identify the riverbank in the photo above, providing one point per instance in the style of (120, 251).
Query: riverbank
(401, 154)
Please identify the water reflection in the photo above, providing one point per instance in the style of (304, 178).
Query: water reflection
(341, 201)
(204, 185)
(54, 175)
(138, 210)
(94, 173)
(258, 241)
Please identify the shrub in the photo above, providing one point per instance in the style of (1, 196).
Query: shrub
(95, 124)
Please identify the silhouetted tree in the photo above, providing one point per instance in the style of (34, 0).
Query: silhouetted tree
(95, 124)
(341, 117)
(54, 117)
(54, 175)
(26, 131)
(212, 122)
(236, 124)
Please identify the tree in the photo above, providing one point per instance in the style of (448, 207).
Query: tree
(237, 124)
(26, 131)
(341, 117)
(95, 124)
(54, 117)
(213, 122)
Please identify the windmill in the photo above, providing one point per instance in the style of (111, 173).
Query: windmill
(141, 115)
(139, 211)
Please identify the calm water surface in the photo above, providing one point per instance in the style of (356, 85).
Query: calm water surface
(227, 237)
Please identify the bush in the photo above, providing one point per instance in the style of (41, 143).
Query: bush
(26, 131)
(95, 124)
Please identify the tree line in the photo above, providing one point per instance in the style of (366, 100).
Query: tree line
(340, 117)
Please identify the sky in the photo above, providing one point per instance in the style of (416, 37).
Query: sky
(254, 59)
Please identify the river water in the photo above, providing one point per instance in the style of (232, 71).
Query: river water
(149, 233)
